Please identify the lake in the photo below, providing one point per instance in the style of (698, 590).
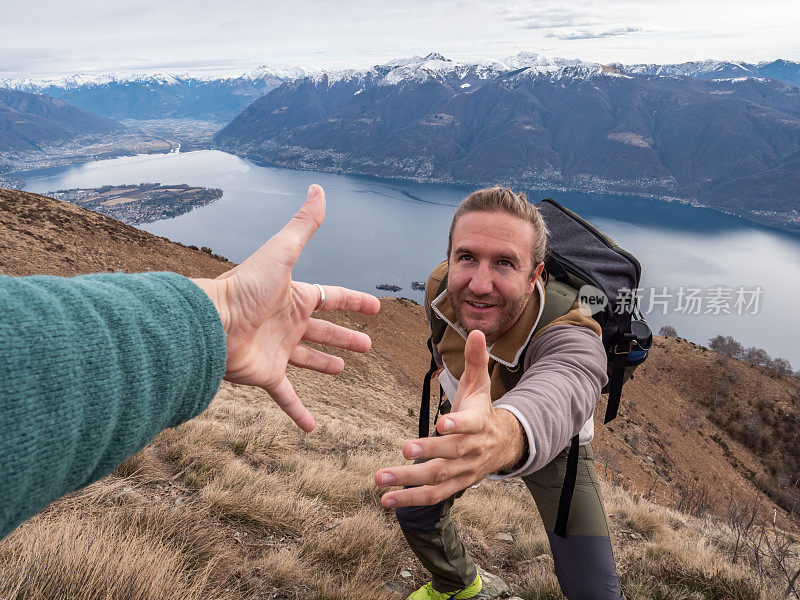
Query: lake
(390, 232)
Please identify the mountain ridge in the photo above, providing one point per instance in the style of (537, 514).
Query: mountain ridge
(779, 69)
(160, 95)
(29, 120)
(584, 127)
(221, 96)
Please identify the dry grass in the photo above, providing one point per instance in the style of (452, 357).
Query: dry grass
(238, 495)
(675, 556)
(98, 559)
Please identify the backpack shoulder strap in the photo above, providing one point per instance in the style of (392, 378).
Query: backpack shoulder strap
(559, 298)
(437, 283)
(438, 326)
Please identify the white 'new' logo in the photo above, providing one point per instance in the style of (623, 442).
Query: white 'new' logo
(591, 300)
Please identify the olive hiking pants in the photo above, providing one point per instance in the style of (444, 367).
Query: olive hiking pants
(584, 562)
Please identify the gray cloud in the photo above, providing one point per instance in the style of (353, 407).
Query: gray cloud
(595, 35)
(545, 16)
(553, 23)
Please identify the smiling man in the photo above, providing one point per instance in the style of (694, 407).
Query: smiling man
(521, 379)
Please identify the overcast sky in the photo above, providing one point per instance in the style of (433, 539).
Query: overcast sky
(44, 38)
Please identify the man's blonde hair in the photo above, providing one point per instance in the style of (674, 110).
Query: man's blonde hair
(500, 199)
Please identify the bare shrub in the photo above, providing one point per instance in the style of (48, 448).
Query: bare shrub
(783, 552)
(610, 460)
(781, 366)
(757, 356)
(693, 499)
(723, 392)
(691, 420)
(726, 346)
(741, 515)
(668, 331)
(753, 430)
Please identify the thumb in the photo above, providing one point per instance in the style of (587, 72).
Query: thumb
(304, 224)
(476, 368)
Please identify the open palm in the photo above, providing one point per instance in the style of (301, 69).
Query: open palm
(266, 314)
(469, 445)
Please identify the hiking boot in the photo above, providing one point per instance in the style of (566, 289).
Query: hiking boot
(427, 592)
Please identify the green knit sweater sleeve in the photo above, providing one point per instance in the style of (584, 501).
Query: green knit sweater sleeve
(91, 369)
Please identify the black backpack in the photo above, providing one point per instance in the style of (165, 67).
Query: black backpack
(581, 261)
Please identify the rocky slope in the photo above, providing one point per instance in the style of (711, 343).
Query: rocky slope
(39, 235)
(239, 504)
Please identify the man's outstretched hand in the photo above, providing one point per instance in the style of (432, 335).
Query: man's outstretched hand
(475, 440)
(265, 314)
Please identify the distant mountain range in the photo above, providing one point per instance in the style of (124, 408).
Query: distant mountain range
(161, 95)
(222, 97)
(29, 120)
(544, 123)
(783, 70)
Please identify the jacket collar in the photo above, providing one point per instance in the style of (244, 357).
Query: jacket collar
(509, 348)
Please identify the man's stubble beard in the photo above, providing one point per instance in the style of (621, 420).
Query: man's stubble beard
(510, 312)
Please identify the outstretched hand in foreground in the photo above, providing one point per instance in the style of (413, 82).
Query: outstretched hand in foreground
(266, 315)
(474, 440)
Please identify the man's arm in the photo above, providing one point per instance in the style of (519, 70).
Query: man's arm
(558, 393)
(91, 368)
(565, 369)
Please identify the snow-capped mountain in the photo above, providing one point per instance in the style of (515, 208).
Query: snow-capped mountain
(781, 70)
(262, 72)
(437, 67)
(540, 63)
(717, 132)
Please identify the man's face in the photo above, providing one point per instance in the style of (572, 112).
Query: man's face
(491, 275)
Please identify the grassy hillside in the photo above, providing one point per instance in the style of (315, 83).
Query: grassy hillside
(238, 503)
